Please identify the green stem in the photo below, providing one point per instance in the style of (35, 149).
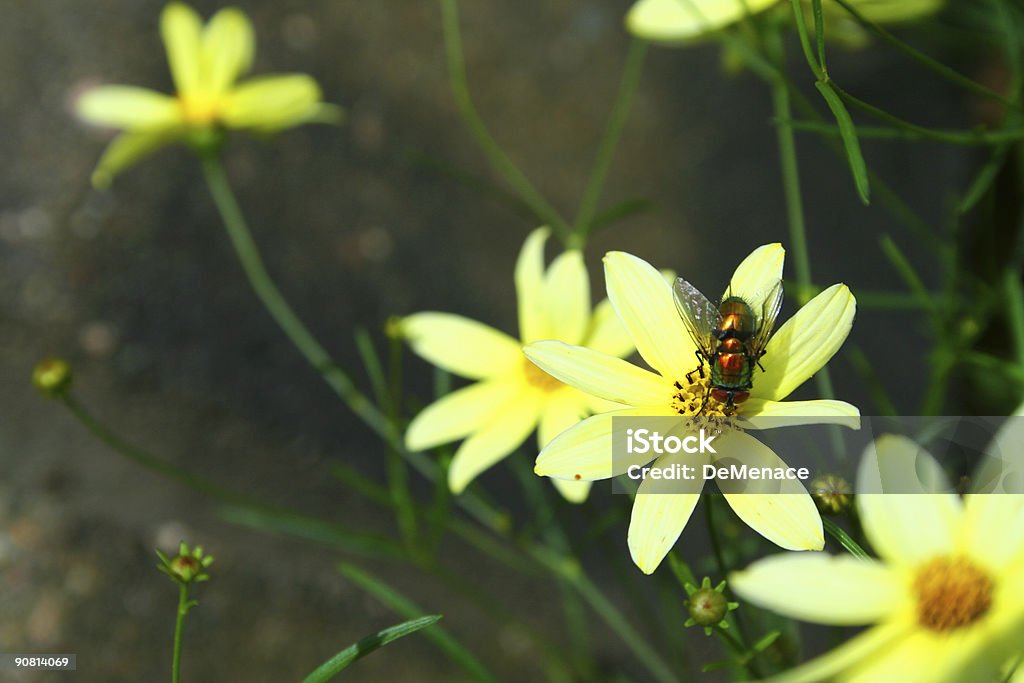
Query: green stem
(1015, 311)
(179, 626)
(791, 186)
(583, 224)
(844, 539)
(303, 340)
(497, 157)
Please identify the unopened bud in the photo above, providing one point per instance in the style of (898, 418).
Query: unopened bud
(52, 377)
(831, 493)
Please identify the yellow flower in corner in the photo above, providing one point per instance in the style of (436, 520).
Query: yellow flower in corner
(946, 597)
(512, 397)
(683, 21)
(205, 61)
(644, 303)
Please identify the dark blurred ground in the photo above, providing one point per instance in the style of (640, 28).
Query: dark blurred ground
(139, 288)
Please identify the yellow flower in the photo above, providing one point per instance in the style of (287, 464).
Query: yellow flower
(512, 397)
(205, 63)
(644, 303)
(946, 599)
(683, 21)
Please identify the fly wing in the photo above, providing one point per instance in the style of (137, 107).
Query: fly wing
(700, 316)
(766, 322)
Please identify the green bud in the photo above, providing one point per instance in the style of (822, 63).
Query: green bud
(832, 494)
(188, 566)
(708, 606)
(52, 377)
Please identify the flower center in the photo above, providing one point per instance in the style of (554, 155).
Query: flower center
(536, 377)
(199, 109)
(951, 592)
(692, 398)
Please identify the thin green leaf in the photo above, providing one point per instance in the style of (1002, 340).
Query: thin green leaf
(374, 368)
(844, 539)
(338, 662)
(402, 605)
(850, 143)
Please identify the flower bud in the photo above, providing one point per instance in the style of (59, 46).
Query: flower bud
(831, 493)
(708, 606)
(52, 377)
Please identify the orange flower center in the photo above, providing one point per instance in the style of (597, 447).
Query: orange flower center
(952, 592)
(536, 377)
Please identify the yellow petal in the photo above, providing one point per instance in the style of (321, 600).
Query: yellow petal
(910, 528)
(824, 589)
(679, 21)
(462, 346)
(508, 429)
(272, 103)
(181, 29)
(862, 648)
(993, 529)
(584, 452)
(805, 343)
(529, 278)
(780, 510)
(127, 149)
(124, 106)
(567, 297)
(1002, 470)
(658, 519)
(572, 491)
(757, 275)
(228, 45)
(894, 464)
(606, 333)
(761, 414)
(918, 658)
(459, 413)
(644, 303)
(563, 409)
(607, 377)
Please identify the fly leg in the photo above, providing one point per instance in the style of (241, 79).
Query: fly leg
(758, 361)
(699, 370)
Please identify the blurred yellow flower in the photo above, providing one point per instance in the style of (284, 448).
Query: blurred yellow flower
(644, 303)
(512, 397)
(683, 21)
(946, 598)
(205, 63)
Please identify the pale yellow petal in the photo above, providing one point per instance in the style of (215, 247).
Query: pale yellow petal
(1002, 470)
(918, 658)
(780, 510)
(125, 106)
(910, 528)
(461, 412)
(272, 103)
(898, 465)
(658, 518)
(228, 45)
(861, 648)
(128, 149)
(562, 410)
(462, 346)
(509, 428)
(993, 528)
(567, 297)
(822, 588)
(761, 414)
(572, 491)
(529, 278)
(605, 376)
(757, 275)
(643, 300)
(584, 452)
(181, 29)
(680, 21)
(606, 333)
(805, 343)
